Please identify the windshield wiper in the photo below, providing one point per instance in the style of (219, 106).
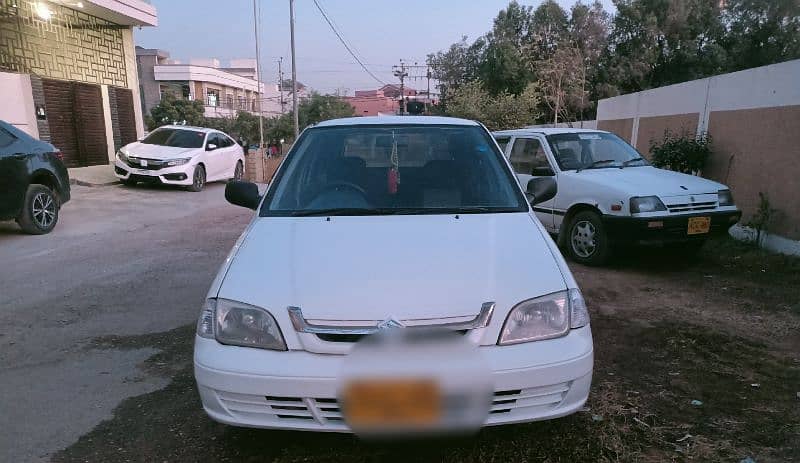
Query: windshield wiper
(338, 211)
(630, 161)
(345, 211)
(595, 164)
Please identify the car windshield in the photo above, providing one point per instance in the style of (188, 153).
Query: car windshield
(593, 150)
(394, 169)
(176, 138)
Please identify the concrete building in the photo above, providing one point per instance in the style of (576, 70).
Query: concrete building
(385, 100)
(753, 118)
(223, 90)
(68, 73)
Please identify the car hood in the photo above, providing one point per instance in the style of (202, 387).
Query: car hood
(648, 180)
(406, 267)
(144, 150)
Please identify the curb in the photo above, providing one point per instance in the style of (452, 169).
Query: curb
(74, 181)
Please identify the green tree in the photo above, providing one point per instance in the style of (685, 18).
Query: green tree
(174, 111)
(317, 108)
(456, 66)
(502, 111)
(761, 32)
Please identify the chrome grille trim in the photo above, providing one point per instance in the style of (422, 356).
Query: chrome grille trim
(301, 325)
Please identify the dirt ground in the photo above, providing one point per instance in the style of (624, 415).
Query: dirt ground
(723, 330)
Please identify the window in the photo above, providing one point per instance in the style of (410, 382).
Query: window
(592, 149)
(6, 139)
(177, 138)
(503, 142)
(526, 155)
(212, 98)
(395, 169)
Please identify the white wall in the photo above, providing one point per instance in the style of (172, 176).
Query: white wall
(17, 107)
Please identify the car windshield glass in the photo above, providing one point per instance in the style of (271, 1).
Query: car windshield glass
(177, 138)
(401, 169)
(593, 150)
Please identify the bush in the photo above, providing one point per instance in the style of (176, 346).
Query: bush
(681, 152)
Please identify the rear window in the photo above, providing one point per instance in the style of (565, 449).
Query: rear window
(176, 138)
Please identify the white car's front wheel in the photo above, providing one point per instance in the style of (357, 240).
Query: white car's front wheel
(198, 178)
(587, 239)
(238, 173)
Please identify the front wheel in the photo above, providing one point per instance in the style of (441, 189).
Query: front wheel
(198, 178)
(587, 240)
(40, 211)
(238, 173)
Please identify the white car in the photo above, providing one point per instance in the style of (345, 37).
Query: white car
(180, 155)
(609, 195)
(392, 224)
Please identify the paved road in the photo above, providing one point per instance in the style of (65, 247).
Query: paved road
(122, 262)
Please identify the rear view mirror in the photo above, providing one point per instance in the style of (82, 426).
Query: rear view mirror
(542, 189)
(243, 194)
(211, 147)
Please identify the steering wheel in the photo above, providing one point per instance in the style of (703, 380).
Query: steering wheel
(337, 185)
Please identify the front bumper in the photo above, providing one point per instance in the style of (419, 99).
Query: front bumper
(178, 175)
(297, 389)
(666, 228)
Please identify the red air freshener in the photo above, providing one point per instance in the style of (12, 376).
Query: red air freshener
(391, 178)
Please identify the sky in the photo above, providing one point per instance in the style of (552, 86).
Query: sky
(381, 32)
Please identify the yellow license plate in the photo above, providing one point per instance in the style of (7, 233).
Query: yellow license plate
(392, 403)
(698, 225)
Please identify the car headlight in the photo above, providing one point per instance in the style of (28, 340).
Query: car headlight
(238, 324)
(646, 204)
(545, 317)
(177, 162)
(725, 198)
(122, 157)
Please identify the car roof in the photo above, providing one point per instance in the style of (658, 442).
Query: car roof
(545, 131)
(190, 127)
(396, 120)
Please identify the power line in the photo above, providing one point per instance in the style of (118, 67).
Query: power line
(341, 39)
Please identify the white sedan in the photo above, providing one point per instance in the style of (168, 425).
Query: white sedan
(393, 279)
(180, 155)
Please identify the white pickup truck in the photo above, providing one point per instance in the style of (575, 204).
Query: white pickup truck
(609, 195)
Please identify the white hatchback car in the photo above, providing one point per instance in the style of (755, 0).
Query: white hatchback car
(392, 224)
(180, 155)
(609, 195)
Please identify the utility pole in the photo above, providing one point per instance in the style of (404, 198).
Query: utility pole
(259, 94)
(280, 84)
(294, 72)
(428, 94)
(400, 71)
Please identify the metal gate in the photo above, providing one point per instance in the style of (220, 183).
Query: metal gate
(77, 124)
(123, 118)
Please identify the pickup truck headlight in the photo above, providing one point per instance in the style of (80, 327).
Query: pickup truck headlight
(177, 162)
(238, 324)
(545, 317)
(646, 204)
(725, 198)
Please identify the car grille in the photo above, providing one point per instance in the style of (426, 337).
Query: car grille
(351, 338)
(152, 164)
(692, 207)
(327, 411)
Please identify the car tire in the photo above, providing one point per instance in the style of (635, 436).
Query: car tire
(39, 213)
(238, 172)
(587, 241)
(198, 179)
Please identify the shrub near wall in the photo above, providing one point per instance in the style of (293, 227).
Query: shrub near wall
(684, 152)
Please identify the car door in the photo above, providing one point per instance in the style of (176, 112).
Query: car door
(13, 174)
(231, 151)
(529, 160)
(216, 157)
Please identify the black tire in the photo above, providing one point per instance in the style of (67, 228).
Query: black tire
(39, 213)
(128, 182)
(198, 179)
(238, 172)
(586, 239)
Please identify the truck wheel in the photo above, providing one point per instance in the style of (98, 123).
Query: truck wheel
(39, 213)
(586, 239)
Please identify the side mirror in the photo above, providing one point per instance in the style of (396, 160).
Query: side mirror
(542, 189)
(243, 194)
(542, 172)
(211, 147)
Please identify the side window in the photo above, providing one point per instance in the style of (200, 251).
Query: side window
(503, 142)
(526, 155)
(215, 139)
(6, 139)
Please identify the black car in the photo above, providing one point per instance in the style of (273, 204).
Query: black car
(34, 183)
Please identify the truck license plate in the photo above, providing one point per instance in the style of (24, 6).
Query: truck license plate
(698, 225)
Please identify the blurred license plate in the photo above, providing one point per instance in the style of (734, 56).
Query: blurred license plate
(392, 403)
(698, 225)
(142, 171)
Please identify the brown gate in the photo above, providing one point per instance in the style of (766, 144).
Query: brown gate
(77, 124)
(123, 118)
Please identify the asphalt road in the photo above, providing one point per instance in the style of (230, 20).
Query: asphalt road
(122, 262)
